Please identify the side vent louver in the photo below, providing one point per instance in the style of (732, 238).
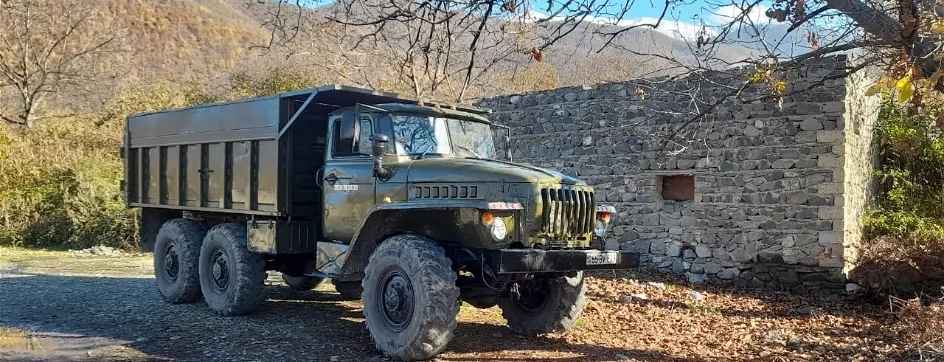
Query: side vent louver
(445, 192)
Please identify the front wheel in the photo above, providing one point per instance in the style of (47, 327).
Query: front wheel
(410, 298)
(547, 305)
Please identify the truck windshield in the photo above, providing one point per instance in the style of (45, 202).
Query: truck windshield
(423, 135)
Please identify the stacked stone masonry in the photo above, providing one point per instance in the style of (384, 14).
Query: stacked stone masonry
(778, 187)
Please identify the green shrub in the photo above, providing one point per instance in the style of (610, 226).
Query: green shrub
(60, 187)
(910, 201)
(60, 182)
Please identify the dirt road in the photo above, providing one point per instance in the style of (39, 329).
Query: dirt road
(55, 307)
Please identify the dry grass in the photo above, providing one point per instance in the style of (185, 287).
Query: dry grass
(38, 261)
(12, 339)
(922, 328)
(898, 267)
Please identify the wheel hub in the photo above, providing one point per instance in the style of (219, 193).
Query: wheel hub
(397, 297)
(220, 270)
(171, 263)
(532, 294)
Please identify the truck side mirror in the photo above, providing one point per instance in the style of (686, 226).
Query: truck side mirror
(508, 148)
(377, 150)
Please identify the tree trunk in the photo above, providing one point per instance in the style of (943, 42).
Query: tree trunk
(890, 31)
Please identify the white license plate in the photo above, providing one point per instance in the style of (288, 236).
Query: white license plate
(601, 258)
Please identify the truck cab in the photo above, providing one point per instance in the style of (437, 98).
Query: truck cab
(403, 204)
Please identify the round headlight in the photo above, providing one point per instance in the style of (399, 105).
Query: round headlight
(499, 231)
(599, 228)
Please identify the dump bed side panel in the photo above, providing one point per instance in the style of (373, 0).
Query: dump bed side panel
(221, 157)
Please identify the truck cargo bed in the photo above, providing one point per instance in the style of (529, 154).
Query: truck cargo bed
(258, 156)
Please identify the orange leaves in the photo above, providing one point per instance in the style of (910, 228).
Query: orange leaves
(536, 54)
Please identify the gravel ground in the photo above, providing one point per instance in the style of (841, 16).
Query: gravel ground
(106, 308)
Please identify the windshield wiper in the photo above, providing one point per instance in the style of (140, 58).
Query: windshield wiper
(472, 151)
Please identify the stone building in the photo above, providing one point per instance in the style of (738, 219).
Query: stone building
(761, 193)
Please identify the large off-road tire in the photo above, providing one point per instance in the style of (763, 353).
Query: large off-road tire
(410, 298)
(232, 278)
(176, 259)
(301, 283)
(548, 305)
(348, 290)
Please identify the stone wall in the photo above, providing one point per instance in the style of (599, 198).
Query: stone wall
(777, 186)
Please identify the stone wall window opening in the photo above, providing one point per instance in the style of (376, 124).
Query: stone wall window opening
(676, 187)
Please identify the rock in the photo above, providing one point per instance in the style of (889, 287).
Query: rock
(773, 337)
(811, 124)
(794, 340)
(689, 254)
(809, 108)
(852, 287)
(696, 296)
(830, 238)
(696, 278)
(174, 338)
(512, 100)
(621, 356)
(673, 249)
(335, 358)
(657, 248)
(702, 251)
(729, 273)
(797, 198)
(712, 268)
(587, 141)
(659, 286)
(782, 164)
(751, 131)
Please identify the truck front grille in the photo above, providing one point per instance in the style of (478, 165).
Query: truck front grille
(567, 213)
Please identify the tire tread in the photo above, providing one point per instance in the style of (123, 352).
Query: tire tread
(250, 272)
(436, 274)
(188, 236)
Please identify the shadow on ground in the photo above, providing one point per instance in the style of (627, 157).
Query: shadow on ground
(123, 319)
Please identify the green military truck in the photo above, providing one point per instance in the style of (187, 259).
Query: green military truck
(402, 204)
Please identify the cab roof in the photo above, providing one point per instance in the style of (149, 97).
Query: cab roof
(404, 108)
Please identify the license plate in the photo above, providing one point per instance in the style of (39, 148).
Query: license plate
(601, 258)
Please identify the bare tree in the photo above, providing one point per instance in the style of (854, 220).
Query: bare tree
(46, 47)
(732, 47)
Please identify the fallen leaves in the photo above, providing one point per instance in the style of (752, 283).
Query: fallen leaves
(724, 324)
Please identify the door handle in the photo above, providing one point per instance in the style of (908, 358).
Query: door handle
(331, 177)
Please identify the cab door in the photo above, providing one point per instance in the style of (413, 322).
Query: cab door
(348, 180)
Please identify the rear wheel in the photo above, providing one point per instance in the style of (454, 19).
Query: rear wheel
(301, 283)
(176, 259)
(232, 278)
(547, 305)
(410, 298)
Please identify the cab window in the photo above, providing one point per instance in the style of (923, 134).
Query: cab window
(344, 138)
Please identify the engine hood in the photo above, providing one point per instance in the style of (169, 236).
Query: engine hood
(480, 170)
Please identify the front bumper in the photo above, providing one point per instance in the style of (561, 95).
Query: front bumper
(540, 261)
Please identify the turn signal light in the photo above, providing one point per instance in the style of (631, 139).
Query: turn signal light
(605, 216)
(487, 218)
